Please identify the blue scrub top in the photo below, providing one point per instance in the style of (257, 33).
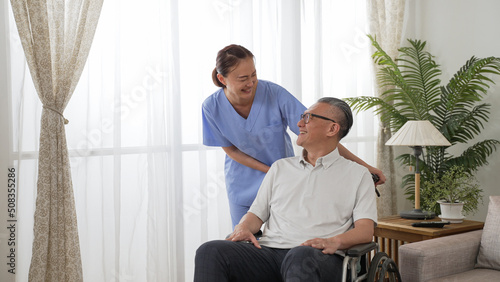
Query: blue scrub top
(262, 135)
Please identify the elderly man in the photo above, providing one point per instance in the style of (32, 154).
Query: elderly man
(313, 205)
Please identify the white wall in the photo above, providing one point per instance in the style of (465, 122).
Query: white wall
(455, 30)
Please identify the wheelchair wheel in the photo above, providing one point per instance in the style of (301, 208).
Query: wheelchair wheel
(383, 268)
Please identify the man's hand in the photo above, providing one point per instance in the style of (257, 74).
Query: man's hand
(329, 246)
(241, 233)
(361, 233)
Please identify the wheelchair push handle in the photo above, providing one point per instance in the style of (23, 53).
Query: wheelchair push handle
(375, 180)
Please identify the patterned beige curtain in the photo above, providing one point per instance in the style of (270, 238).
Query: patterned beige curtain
(56, 37)
(386, 23)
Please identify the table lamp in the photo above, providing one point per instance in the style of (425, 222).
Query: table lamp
(416, 134)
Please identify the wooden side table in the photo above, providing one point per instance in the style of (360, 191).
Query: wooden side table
(394, 231)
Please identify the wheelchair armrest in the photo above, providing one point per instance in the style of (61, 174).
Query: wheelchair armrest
(361, 249)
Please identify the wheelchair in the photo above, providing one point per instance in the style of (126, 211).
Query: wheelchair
(358, 267)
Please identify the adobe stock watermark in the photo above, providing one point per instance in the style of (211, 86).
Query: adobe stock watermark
(123, 276)
(93, 138)
(202, 197)
(262, 140)
(356, 46)
(223, 7)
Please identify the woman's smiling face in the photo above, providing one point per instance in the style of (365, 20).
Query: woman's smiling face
(241, 81)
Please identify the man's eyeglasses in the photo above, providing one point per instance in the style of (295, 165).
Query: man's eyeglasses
(307, 117)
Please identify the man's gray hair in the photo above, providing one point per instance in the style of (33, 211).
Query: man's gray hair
(345, 121)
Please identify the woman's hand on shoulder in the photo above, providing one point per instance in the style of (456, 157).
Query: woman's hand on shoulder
(379, 173)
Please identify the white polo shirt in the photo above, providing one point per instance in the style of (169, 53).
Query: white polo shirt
(299, 201)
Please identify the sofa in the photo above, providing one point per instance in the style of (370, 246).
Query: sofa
(471, 256)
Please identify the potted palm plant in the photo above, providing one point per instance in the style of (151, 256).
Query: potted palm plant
(452, 194)
(413, 91)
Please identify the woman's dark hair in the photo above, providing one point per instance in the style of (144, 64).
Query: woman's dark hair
(344, 120)
(227, 59)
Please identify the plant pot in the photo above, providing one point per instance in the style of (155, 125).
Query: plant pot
(451, 212)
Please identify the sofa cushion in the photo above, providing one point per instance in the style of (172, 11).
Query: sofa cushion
(448, 255)
(471, 275)
(489, 250)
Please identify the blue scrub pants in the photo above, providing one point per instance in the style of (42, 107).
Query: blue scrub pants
(237, 212)
(219, 261)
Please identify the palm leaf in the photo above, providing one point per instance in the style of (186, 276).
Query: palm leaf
(466, 87)
(421, 72)
(411, 91)
(466, 125)
(475, 156)
(388, 113)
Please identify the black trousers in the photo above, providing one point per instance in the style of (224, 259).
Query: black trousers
(221, 260)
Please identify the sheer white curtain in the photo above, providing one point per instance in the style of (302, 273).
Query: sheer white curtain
(147, 191)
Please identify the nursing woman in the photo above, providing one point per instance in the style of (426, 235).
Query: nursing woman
(249, 118)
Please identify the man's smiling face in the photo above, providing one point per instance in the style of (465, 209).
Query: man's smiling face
(317, 129)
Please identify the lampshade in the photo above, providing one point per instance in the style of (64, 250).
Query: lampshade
(418, 133)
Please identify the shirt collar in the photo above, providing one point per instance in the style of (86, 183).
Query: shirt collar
(326, 160)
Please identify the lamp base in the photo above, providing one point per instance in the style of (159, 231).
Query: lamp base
(417, 214)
